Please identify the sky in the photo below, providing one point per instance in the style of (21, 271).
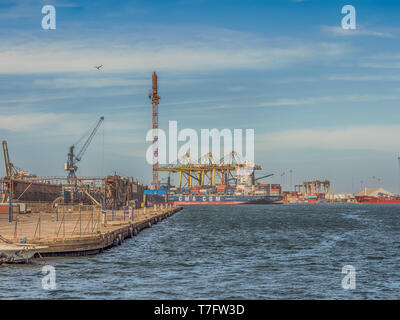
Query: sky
(323, 101)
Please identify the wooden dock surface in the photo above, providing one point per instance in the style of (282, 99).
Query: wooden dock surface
(83, 233)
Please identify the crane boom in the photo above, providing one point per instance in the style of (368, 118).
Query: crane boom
(89, 139)
(8, 164)
(268, 175)
(11, 170)
(70, 165)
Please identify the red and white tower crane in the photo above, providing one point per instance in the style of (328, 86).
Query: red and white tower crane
(154, 96)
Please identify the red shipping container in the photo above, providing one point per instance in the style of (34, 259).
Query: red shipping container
(4, 208)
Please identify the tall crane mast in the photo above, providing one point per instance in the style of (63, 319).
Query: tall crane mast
(155, 97)
(70, 165)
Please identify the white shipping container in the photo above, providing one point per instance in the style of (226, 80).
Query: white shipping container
(22, 207)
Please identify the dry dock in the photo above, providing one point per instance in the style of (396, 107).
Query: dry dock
(81, 230)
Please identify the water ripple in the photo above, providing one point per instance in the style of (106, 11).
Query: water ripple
(234, 252)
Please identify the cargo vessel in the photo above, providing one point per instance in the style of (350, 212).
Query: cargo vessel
(181, 199)
(228, 181)
(377, 196)
(378, 200)
(226, 194)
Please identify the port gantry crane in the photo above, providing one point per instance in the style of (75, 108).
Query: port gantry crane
(70, 165)
(315, 186)
(209, 171)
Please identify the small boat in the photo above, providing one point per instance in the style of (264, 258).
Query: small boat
(11, 252)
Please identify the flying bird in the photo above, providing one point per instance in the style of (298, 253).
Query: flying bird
(98, 67)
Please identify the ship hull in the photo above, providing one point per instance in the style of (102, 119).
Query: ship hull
(374, 200)
(36, 191)
(222, 200)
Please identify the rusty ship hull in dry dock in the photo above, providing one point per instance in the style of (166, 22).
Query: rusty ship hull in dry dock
(24, 186)
(29, 191)
(118, 191)
(35, 191)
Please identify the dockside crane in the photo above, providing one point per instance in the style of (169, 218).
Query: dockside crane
(263, 177)
(11, 170)
(9, 166)
(71, 164)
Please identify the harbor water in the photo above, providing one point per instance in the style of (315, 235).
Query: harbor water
(234, 252)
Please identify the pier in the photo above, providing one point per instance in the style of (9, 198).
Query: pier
(82, 230)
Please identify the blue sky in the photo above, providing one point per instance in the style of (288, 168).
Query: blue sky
(323, 101)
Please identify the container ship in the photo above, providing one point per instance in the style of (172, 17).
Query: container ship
(377, 196)
(226, 195)
(222, 199)
(227, 181)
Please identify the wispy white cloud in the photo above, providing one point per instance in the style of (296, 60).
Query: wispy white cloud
(340, 77)
(29, 122)
(326, 99)
(381, 61)
(69, 123)
(90, 82)
(31, 8)
(60, 58)
(19, 9)
(237, 88)
(29, 99)
(360, 31)
(223, 50)
(300, 102)
(380, 138)
(365, 77)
